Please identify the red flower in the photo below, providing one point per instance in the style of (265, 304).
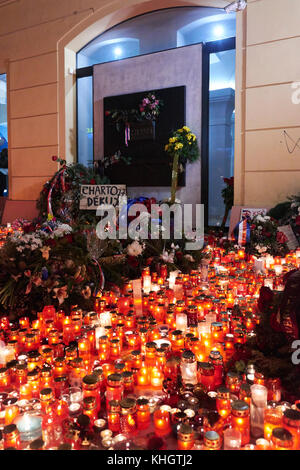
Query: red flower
(132, 261)
(69, 238)
(54, 158)
(281, 238)
(93, 181)
(107, 113)
(27, 228)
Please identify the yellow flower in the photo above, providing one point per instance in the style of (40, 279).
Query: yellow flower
(166, 148)
(193, 137)
(172, 140)
(180, 130)
(189, 136)
(185, 128)
(178, 146)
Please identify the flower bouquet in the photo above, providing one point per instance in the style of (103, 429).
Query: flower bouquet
(183, 148)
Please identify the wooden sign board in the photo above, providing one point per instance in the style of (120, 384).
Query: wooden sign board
(94, 195)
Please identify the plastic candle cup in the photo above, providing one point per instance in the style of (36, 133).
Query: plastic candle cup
(259, 396)
(232, 439)
(29, 426)
(181, 321)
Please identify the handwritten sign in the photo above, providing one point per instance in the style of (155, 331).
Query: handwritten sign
(95, 195)
(251, 212)
(292, 241)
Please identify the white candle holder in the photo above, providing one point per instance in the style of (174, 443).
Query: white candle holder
(181, 322)
(105, 319)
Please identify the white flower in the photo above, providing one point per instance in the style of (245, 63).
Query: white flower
(261, 249)
(62, 230)
(167, 257)
(174, 247)
(135, 249)
(189, 258)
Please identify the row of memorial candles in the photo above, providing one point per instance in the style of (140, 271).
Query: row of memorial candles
(185, 325)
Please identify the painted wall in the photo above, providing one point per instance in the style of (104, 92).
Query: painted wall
(268, 62)
(39, 41)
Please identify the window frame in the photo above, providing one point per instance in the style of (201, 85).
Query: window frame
(208, 48)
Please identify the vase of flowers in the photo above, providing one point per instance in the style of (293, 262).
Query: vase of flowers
(183, 148)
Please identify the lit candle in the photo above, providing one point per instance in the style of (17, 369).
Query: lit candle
(181, 322)
(105, 319)
(162, 421)
(11, 410)
(278, 269)
(232, 439)
(147, 284)
(259, 396)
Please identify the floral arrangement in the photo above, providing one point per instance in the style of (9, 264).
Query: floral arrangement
(155, 250)
(228, 197)
(60, 197)
(270, 350)
(288, 213)
(150, 107)
(265, 237)
(184, 143)
(183, 148)
(46, 264)
(115, 159)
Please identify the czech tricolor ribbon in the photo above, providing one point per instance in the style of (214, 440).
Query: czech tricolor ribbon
(244, 232)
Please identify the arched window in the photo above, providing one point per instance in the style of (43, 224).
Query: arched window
(158, 31)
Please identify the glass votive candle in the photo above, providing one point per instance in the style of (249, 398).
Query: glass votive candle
(232, 439)
(4, 378)
(223, 402)
(162, 421)
(272, 419)
(11, 410)
(185, 437)
(11, 437)
(291, 421)
(281, 439)
(262, 444)
(241, 420)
